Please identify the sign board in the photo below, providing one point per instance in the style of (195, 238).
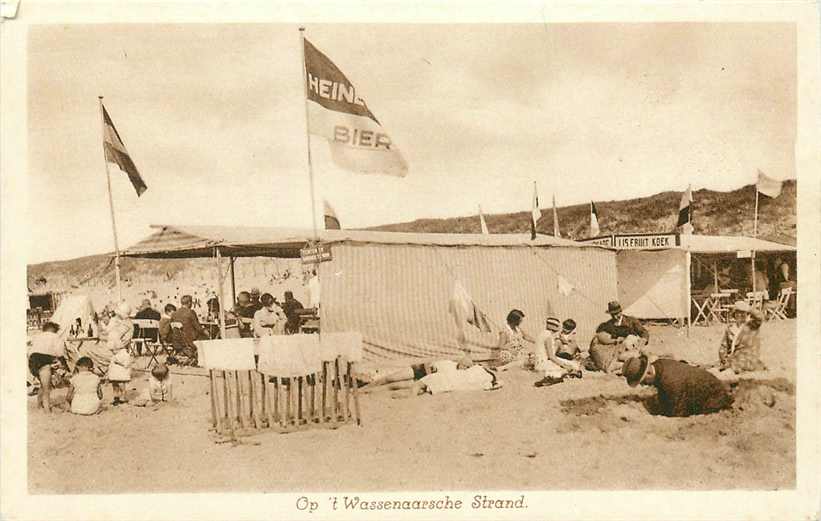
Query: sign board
(599, 241)
(637, 241)
(744, 254)
(646, 242)
(316, 254)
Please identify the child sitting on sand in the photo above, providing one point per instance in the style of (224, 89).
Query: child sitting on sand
(553, 368)
(159, 387)
(566, 345)
(85, 391)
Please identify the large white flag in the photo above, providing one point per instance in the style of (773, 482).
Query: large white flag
(768, 186)
(594, 220)
(336, 112)
(482, 222)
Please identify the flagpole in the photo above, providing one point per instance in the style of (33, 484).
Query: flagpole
(755, 235)
(111, 208)
(307, 132)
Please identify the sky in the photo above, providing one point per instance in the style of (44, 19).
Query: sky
(214, 118)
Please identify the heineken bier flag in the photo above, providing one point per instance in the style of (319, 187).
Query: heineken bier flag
(116, 153)
(337, 112)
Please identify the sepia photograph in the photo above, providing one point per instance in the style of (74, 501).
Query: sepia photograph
(457, 263)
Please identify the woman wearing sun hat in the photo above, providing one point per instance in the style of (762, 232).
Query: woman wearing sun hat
(683, 389)
(553, 368)
(741, 346)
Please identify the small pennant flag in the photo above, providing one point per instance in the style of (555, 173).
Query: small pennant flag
(331, 220)
(556, 231)
(564, 286)
(115, 152)
(685, 212)
(465, 310)
(535, 213)
(768, 186)
(594, 220)
(357, 140)
(482, 222)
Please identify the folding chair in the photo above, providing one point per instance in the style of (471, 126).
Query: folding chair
(715, 306)
(756, 299)
(778, 310)
(701, 309)
(146, 333)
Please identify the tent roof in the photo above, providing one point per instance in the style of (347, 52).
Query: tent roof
(199, 241)
(729, 244)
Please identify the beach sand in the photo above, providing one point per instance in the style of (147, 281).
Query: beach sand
(592, 433)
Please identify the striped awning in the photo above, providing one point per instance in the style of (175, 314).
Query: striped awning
(236, 241)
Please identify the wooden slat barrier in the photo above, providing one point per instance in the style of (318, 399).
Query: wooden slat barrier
(248, 402)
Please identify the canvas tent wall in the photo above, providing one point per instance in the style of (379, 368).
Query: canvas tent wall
(395, 287)
(655, 283)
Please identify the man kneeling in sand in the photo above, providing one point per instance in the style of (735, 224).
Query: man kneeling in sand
(683, 389)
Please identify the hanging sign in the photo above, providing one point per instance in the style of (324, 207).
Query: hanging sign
(316, 254)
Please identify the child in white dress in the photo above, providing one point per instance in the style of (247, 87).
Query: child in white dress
(85, 391)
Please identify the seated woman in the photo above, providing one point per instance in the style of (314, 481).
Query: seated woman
(511, 349)
(741, 346)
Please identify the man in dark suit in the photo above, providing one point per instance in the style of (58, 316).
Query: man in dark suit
(191, 329)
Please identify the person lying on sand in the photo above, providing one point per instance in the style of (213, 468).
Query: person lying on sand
(740, 346)
(405, 377)
(449, 377)
(683, 389)
(553, 368)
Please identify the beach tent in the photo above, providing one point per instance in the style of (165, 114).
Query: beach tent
(654, 269)
(71, 308)
(395, 288)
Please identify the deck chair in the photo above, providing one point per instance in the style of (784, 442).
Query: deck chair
(778, 309)
(756, 299)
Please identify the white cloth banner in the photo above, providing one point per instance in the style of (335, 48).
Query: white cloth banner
(231, 354)
(348, 345)
(279, 355)
(289, 355)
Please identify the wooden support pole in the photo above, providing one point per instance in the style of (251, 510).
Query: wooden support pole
(299, 417)
(240, 415)
(312, 400)
(324, 390)
(212, 388)
(337, 389)
(346, 385)
(355, 393)
(277, 406)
